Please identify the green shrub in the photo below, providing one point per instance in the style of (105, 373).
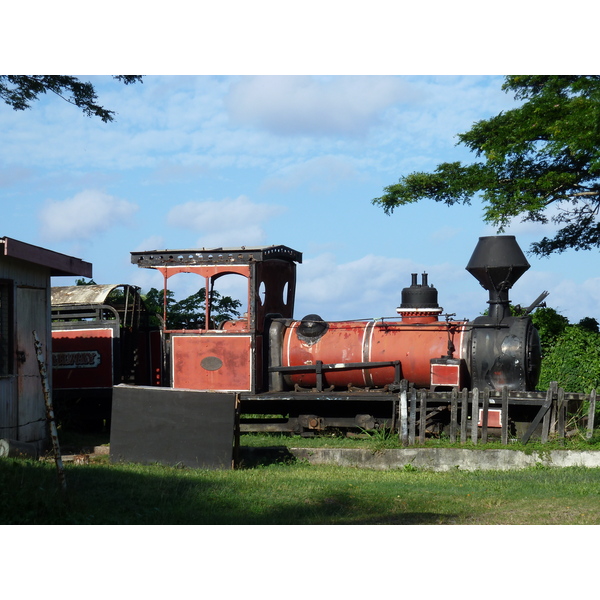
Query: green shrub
(573, 360)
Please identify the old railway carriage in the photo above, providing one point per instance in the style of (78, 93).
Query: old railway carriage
(102, 335)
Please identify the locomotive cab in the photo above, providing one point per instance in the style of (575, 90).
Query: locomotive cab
(228, 357)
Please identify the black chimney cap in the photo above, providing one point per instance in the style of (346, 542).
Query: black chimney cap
(497, 262)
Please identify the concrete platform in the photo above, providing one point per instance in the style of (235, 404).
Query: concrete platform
(432, 459)
(445, 459)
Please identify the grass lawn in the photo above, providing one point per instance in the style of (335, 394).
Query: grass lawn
(293, 494)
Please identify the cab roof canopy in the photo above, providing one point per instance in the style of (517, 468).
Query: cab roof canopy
(214, 256)
(87, 294)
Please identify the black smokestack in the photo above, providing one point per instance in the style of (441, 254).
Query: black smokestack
(497, 263)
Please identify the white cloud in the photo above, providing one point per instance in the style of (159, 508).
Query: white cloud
(319, 174)
(83, 216)
(305, 105)
(228, 222)
(371, 287)
(365, 288)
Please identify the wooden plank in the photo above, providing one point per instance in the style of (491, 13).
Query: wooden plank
(412, 419)
(403, 418)
(422, 415)
(394, 415)
(548, 417)
(541, 414)
(561, 408)
(464, 413)
(474, 414)
(484, 417)
(546, 424)
(591, 415)
(504, 415)
(553, 417)
(453, 415)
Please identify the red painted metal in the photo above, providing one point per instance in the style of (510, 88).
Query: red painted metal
(413, 344)
(229, 358)
(445, 375)
(82, 358)
(212, 362)
(494, 418)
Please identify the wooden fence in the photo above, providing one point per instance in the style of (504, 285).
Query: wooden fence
(472, 413)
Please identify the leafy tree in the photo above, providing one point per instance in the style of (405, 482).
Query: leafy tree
(19, 91)
(589, 324)
(189, 313)
(544, 153)
(550, 325)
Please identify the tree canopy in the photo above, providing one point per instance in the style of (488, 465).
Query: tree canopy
(189, 313)
(19, 91)
(539, 161)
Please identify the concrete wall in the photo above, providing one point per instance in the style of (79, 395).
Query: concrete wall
(445, 459)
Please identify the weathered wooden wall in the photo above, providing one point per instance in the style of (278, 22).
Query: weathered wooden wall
(26, 290)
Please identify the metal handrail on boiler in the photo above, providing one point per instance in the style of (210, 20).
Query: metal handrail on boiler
(318, 368)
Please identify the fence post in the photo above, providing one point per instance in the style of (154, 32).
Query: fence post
(412, 420)
(422, 415)
(464, 412)
(544, 413)
(561, 408)
(403, 418)
(551, 397)
(591, 414)
(453, 414)
(484, 418)
(474, 414)
(504, 415)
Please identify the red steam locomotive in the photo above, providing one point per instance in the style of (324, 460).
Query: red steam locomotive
(306, 374)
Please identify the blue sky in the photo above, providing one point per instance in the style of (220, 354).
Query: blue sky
(229, 158)
(209, 161)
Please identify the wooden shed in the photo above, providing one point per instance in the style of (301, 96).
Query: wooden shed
(25, 307)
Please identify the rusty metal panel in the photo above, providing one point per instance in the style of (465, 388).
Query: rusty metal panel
(205, 256)
(172, 427)
(83, 358)
(369, 342)
(212, 362)
(82, 294)
(447, 372)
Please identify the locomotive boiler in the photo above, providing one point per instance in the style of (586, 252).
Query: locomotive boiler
(315, 373)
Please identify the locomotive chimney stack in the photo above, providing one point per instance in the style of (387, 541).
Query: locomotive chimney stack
(498, 263)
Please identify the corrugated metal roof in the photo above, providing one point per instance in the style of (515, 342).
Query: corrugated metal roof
(83, 294)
